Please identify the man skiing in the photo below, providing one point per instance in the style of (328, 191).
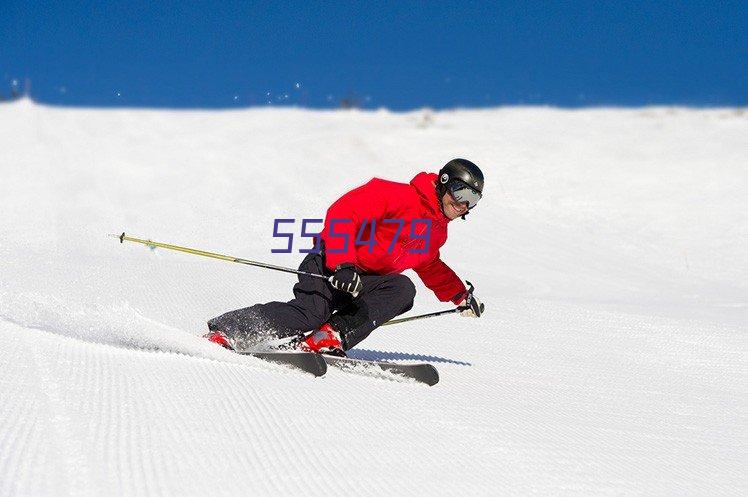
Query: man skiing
(395, 226)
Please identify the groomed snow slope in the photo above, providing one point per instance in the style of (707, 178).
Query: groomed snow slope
(610, 250)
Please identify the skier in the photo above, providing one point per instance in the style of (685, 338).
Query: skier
(404, 225)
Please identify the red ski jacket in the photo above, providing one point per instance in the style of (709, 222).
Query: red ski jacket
(382, 200)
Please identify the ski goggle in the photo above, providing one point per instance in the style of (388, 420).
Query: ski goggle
(462, 192)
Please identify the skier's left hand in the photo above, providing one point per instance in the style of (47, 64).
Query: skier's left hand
(346, 278)
(472, 307)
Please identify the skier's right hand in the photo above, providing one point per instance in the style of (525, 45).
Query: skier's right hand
(470, 306)
(346, 278)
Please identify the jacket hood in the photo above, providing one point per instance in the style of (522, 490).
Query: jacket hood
(425, 185)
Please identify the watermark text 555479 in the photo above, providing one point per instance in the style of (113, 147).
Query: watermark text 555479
(420, 229)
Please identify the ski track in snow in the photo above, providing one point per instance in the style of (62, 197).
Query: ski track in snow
(609, 250)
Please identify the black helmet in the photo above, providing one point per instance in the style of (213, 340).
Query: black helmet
(462, 179)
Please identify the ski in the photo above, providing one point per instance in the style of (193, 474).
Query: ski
(423, 372)
(305, 361)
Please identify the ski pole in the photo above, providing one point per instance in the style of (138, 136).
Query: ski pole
(213, 255)
(434, 314)
(123, 237)
(423, 316)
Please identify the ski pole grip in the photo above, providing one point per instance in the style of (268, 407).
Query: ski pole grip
(470, 292)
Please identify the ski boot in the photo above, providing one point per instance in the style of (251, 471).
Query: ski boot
(323, 341)
(220, 338)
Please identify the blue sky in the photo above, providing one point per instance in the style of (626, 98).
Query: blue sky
(399, 55)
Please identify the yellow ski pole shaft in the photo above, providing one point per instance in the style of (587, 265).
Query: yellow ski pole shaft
(187, 250)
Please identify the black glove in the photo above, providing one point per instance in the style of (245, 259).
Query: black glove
(346, 278)
(471, 306)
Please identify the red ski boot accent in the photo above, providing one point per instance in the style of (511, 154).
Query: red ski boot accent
(324, 341)
(219, 338)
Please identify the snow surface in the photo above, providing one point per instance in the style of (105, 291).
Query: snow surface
(610, 250)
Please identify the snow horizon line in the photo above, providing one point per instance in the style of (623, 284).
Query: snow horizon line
(27, 100)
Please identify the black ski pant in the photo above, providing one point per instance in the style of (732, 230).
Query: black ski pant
(315, 302)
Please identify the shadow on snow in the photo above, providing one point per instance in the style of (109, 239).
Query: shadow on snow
(378, 355)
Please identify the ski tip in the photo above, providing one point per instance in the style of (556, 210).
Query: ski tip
(321, 366)
(431, 377)
(422, 373)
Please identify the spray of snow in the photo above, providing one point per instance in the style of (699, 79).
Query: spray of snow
(117, 324)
